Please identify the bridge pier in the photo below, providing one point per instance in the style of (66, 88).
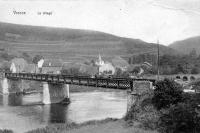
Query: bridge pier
(12, 86)
(140, 96)
(4, 86)
(52, 92)
(55, 93)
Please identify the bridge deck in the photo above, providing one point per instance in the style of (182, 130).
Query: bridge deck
(118, 83)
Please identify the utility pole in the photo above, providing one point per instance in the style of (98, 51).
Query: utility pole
(158, 60)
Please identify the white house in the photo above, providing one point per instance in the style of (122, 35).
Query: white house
(13, 68)
(18, 65)
(40, 63)
(53, 66)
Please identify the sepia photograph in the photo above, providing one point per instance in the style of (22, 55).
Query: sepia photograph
(100, 66)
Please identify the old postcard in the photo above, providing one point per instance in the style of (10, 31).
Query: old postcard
(101, 66)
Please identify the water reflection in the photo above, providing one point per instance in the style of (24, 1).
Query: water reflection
(11, 99)
(58, 113)
(28, 113)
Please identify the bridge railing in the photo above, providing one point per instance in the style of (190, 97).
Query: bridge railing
(119, 83)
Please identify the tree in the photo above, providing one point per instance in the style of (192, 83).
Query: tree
(179, 69)
(26, 56)
(167, 92)
(193, 53)
(6, 56)
(37, 58)
(118, 72)
(93, 62)
(180, 118)
(194, 70)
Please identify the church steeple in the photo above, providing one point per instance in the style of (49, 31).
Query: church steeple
(100, 62)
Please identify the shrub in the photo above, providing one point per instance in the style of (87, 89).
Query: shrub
(37, 58)
(195, 70)
(148, 118)
(180, 118)
(192, 98)
(167, 92)
(179, 69)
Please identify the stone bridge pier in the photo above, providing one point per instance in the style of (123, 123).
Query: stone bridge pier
(52, 92)
(55, 93)
(140, 96)
(12, 86)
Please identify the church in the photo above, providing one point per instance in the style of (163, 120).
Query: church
(104, 68)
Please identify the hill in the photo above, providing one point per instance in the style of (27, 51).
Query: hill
(187, 45)
(71, 44)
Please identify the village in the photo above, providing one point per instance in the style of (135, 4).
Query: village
(117, 67)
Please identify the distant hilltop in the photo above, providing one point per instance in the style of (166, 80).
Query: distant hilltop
(72, 44)
(187, 45)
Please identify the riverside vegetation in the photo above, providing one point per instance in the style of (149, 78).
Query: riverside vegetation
(170, 111)
(173, 111)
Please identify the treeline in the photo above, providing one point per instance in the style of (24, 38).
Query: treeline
(7, 57)
(171, 64)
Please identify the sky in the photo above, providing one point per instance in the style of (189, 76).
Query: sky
(148, 20)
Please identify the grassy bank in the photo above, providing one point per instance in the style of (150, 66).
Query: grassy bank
(108, 125)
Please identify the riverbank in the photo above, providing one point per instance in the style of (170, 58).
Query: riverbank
(103, 126)
(108, 125)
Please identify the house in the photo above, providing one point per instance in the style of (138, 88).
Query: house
(51, 66)
(70, 68)
(18, 65)
(139, 69)
(79, 68)
(31, 68)
(13, 68)
(69, 65)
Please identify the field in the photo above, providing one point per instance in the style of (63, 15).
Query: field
(71, 44)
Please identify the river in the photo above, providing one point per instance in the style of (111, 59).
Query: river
(22, 113)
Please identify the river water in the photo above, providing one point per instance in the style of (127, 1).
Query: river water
(22, 113)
